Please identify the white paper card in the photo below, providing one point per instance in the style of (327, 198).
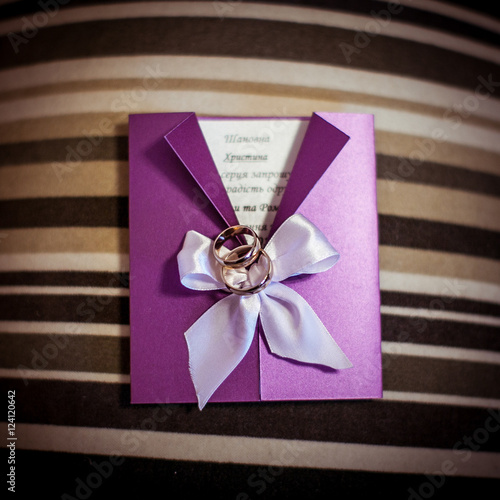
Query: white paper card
(254, 158)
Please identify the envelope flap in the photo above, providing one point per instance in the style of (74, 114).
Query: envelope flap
(165, 203)
(346, 298)
(321, 145)
(188, 143)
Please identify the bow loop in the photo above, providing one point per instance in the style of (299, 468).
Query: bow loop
(300, 248)
(198, 268)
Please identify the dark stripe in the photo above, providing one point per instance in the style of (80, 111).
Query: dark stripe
(436, 174)
(363, 7)
(439, 332)
(67, 308)
(113, 212)
(87, 353)
(70, 152)
(121, 280)
(249, 38)
(438, 236)
(441, 376)
(449, 301)
(64, 278)
(131, 477)
(115, 310)
(483, 6)
(65, 212)
(368, 422)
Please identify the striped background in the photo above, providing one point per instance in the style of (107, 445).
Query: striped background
(429, 72)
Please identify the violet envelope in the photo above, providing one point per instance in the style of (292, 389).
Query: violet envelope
(175, 187)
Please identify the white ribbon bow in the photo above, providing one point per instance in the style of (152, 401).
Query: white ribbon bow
(221, 337)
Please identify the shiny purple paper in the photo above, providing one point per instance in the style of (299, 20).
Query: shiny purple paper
(175, 187)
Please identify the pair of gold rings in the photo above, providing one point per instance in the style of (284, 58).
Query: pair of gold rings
(242, 257)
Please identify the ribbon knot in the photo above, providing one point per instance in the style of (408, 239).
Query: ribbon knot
(221, 337)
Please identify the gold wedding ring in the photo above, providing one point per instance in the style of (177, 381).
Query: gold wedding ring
(265, 280)
(242, 257)
(243, 260)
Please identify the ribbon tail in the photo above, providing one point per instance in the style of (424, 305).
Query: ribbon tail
(293, 330)
(219, 340)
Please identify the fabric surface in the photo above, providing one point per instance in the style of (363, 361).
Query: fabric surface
(69, 77)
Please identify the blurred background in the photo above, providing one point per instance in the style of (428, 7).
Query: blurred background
(70, 74)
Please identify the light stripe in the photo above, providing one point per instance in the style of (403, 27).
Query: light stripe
(69, 126)
(92, 178)
(441, 399)
(214, 103)
(62, 290)
(438, 314)
(453, 11)
(70, 239)
(303, 15)
(452, 272)
(65, 328)
(67, 376)
(161, 71)
(441, 286)
(426, 202)
(441, 352)
(109, 262)
(251, 450)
